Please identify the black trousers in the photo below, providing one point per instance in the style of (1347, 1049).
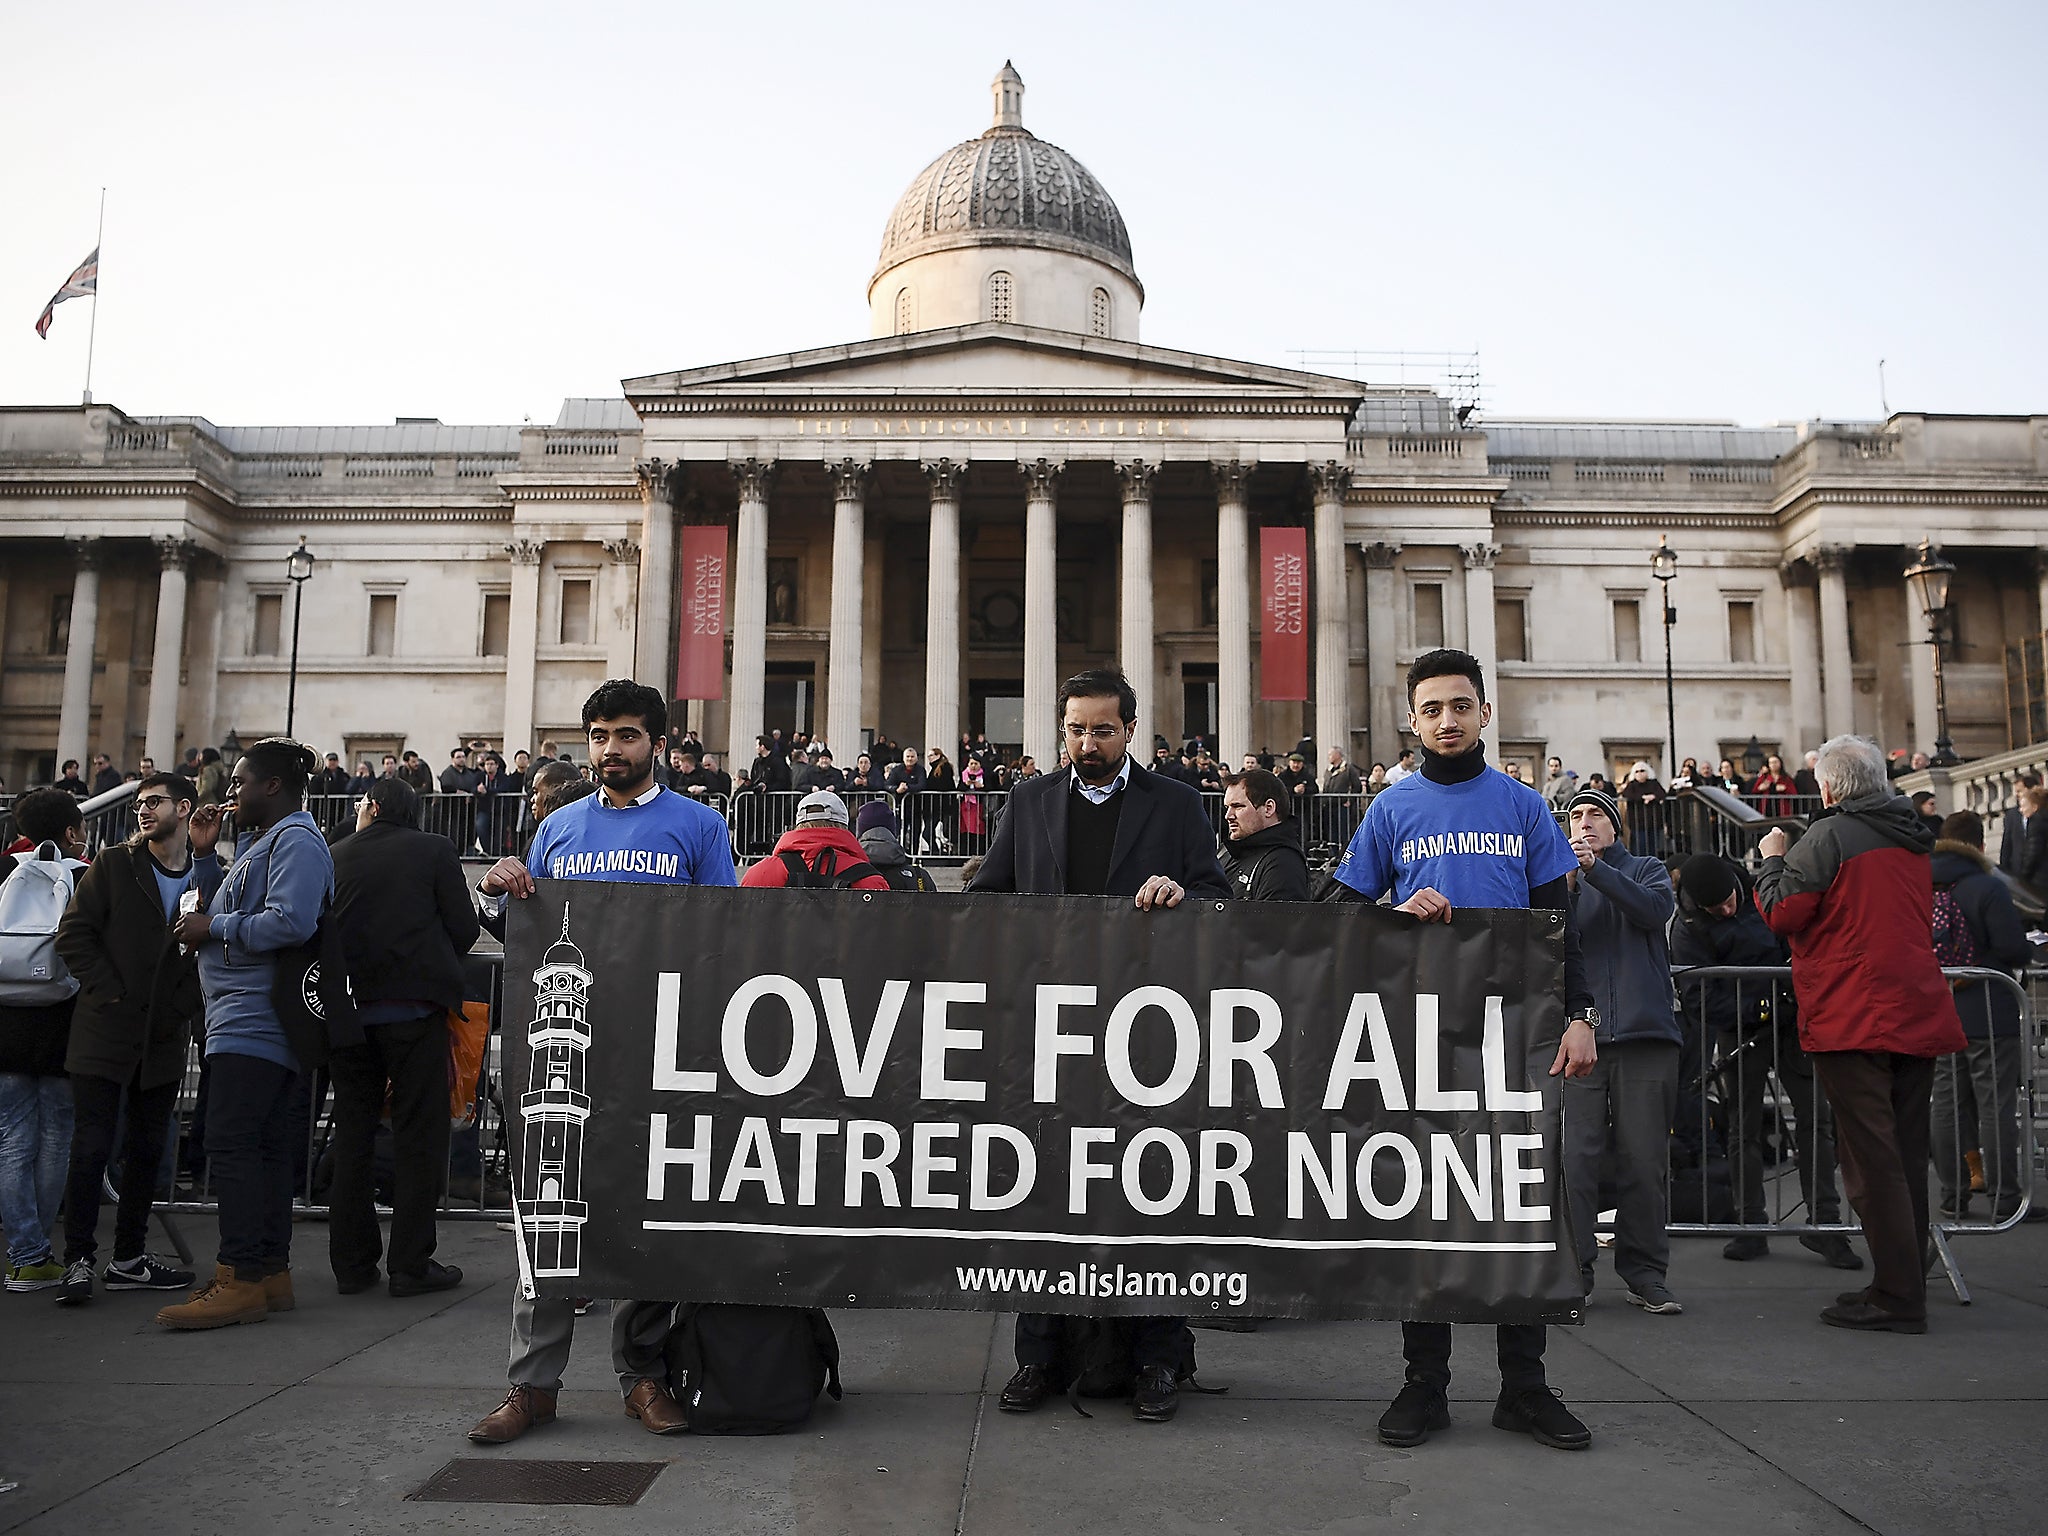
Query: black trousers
(1154, 1340)
(96, 1105)
(1882, 1106)
(1519, 1347)
(249, 1156)
(411, 1056)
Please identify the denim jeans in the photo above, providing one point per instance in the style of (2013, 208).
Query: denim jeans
(35, 1151)
(248, 1149)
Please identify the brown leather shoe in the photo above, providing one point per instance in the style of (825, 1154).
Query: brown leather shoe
(524, 1408)
(650, 1403)
(221, 1301)
(277, 1291)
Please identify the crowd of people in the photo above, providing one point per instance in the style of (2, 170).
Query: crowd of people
(201, 924)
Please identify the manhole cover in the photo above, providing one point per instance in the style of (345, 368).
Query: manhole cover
(476, 1480)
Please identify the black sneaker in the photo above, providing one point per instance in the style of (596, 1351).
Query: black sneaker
(1540, 1413)
(75, 1289)
(1743, 1249)
(435, 1277)
(1156, 1397)
(1025, 1390)
(148, 1273)
(1833, 1247)
(1415, 1413)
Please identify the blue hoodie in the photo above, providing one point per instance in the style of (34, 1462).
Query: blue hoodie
(1623, 906)
(271, 900)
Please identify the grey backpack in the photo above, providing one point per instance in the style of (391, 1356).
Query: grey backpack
(32, 903)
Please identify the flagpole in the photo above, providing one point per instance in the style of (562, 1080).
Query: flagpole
(92, 331)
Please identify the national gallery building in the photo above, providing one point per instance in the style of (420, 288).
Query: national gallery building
(921, 532)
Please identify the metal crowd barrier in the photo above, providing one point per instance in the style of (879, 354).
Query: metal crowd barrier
(1752, 1146)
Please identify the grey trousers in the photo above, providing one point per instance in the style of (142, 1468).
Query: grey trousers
(1976, 1103)
(1631, 1093)
(542, 1328)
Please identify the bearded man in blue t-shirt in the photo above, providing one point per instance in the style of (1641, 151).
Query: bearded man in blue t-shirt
(1458, 833)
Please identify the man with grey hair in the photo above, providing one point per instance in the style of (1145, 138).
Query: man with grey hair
(1856, 900)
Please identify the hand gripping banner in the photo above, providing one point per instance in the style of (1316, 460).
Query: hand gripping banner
(1037, 1103)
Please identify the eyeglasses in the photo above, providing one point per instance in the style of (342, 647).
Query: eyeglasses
(154, 803)
(1104, 733)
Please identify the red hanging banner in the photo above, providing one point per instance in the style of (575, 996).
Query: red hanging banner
(700, 644)
(1283, 603)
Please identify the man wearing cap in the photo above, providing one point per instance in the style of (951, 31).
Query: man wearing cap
(1621, 903)
(821, 844)
(1300, 785)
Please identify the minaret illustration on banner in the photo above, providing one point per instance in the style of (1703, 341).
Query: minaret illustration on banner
(554, 1108)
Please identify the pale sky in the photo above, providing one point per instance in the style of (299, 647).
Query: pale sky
(342, 214)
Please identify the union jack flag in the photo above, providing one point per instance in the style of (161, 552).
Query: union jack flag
(86, 280)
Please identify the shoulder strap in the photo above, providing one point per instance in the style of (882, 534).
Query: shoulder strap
(799, 871)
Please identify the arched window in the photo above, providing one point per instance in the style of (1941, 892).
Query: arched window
(1002, 293)
(1098, 313)
(906, 312)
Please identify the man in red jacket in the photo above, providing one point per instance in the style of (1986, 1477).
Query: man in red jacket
(820, 849)
(1856, 900)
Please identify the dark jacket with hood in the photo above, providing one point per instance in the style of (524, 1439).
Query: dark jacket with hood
(1729, 1005)
(139, 1002)
(1856, 899)
(1622, 906)
(2000, 936)
(885, 852)
(1269, 865)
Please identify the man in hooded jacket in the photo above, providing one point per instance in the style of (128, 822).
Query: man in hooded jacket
(874, 824)
(823, 842)
(1262, 842)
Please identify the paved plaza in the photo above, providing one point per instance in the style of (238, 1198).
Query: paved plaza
(1745, 1416)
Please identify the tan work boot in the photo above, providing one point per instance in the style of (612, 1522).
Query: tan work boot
(277, 1291)
(524, 1408)
(221, 1301)
(657, 1412)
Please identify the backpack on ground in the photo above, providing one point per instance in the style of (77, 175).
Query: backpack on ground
(32, 903)
(746, 1370)
(826, 875)
(1095, 1360)
(909, 877)
(1954, 944)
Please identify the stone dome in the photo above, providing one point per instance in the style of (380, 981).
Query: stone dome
(1008, 188)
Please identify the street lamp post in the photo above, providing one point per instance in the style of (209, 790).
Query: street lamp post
(1664, 566)
(1928, 578)
(298, 565)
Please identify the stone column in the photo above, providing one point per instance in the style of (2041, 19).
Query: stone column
(749, 611)
(522, 640)
(74, 720)
(655, 637)
(1920, 671)
(1041, 612)
(161, 736)
(1233, 611)
(1802, 633)
(942, 609)
(622, 644)
(1389, 707)
(1480, 639)
(1838, 683)
(3, 626)
(843, 653)
(1330, 480)
(1134, 626)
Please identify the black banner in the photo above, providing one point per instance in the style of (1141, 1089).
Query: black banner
(1036, 1103)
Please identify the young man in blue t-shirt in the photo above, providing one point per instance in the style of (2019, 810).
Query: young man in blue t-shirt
(631, 830)
(1457, 833)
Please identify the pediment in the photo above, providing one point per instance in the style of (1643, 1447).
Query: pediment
(990, 362)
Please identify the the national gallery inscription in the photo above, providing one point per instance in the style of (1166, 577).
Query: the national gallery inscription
(990, 426)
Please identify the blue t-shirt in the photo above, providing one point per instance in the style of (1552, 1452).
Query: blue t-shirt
(1486, 842)
(170, 887)
(671, 840)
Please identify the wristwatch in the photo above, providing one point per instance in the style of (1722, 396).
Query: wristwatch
(1590, 1017)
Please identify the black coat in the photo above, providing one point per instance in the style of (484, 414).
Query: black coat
(2023, 849)
(1729, 1003)
(1986, 1007)
(405, 914)
(1163, 831)
(1269, 865)
(139, 1003)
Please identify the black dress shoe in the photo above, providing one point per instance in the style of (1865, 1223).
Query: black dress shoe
(1743, 1249)
(435, 1277)
(1025, 1390)
(1156, 1397)
(355, 1285)
(1416, 1411)
(1870, 1318)
(1834, 1248)
(1540, 1413)
(1853, 1298)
